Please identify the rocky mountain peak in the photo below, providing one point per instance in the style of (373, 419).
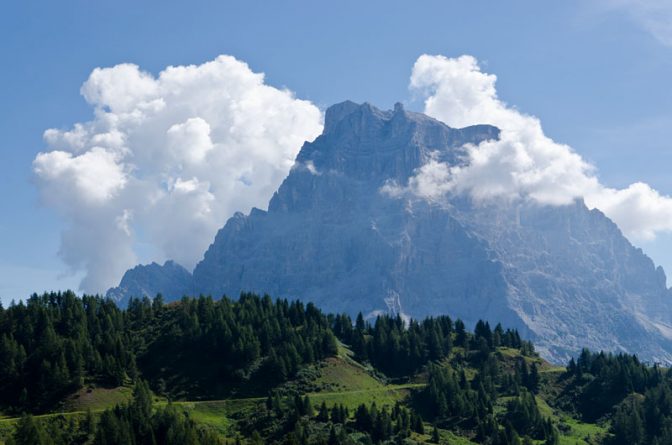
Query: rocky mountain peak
(563, 275)
(366, 143)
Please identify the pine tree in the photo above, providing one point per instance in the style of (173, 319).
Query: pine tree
(436, 437)
(30, 432)
(534, 379)
(333, 438)
(323, 414)
(363, 420)
(256, 439)
(360, 325)
(461, 332)
(307, 409)
(89, 424)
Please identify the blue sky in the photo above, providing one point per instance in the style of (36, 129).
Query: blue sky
(597, 76)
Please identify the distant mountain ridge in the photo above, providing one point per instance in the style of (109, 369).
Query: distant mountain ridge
(151, 279)
(565, 276)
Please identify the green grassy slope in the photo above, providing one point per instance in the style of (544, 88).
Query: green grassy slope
(337, 380)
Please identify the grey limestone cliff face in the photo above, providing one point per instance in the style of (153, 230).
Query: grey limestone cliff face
(574, 280)
(330, 235)
(565, 276)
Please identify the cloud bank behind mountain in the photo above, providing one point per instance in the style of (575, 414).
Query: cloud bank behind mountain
(166, 159)
(523, 163)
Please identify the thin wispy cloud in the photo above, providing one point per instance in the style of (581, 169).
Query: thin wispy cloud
(654, 16)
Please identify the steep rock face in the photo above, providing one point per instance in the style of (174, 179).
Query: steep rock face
(331, 236)
(171, 280)
(574, 280)
(563, 275)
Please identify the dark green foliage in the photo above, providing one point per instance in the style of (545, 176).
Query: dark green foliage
(52, 343)
(445, 396)
(30, 432)
(137, 423)
(628, 424)
(333, 438)
(199, 347)
(637, 397)
(533, 380)
(524, 416)
(604, 380)
(323, 413)
(435, 435)
(382, 424)
(339, 414)
(525, 376)
(394, 348)
(645, 419)
(399, 350)
(449, 398)
(275, 338)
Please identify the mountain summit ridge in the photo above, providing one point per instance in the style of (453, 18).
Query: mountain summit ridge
(564, 275)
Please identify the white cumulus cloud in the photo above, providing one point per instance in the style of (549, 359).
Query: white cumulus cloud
(523, 162)
(165, 160)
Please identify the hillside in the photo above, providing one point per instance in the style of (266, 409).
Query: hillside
(285, 378)
(339, 381)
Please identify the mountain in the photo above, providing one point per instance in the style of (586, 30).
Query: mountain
(565, 276)
(149, 280)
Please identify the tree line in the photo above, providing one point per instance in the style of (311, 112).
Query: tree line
(51, 345)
